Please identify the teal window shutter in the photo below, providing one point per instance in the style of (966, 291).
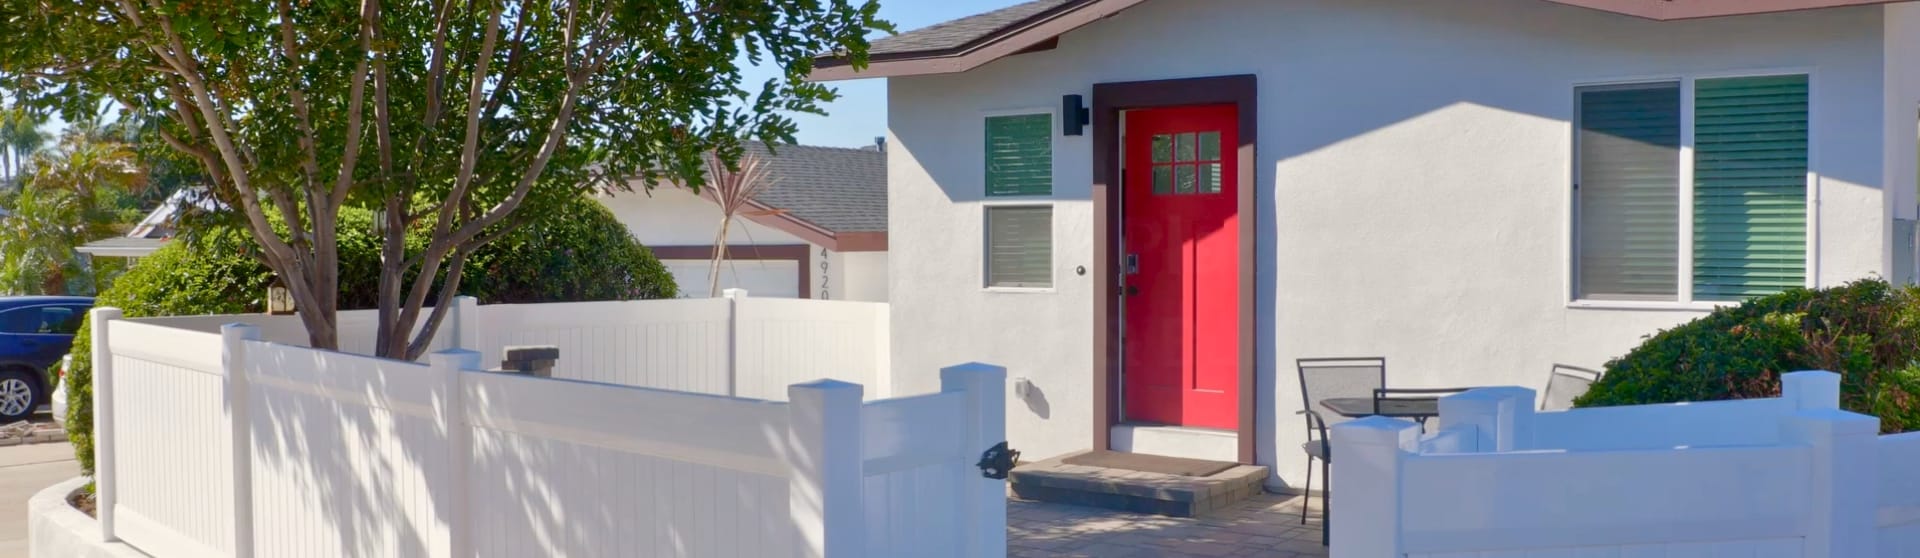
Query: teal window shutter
(1629, 192)
(1020, 155)
(1750, 186)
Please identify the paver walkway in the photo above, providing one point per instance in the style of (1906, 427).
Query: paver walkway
(1267, 525)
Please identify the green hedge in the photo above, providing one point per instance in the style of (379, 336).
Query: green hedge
(577, 252)
(1867, 331)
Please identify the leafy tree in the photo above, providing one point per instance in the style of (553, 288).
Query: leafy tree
(76, 195)
(298, 109)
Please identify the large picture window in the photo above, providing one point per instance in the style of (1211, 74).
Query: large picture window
(1745, 234)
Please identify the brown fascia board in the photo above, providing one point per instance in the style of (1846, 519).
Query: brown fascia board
(1032, 34)
(1013, 40)
(1670, 10)
(785, 221)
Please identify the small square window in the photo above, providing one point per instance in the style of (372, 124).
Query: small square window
(1210, 178)
(1183, 147)
(1019, 246)
(1162, 180)
(1209, 146)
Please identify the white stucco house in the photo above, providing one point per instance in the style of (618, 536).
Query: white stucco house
(1473, 189)
(820, 231)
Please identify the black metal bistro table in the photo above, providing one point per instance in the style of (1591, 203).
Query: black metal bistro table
(1417, 408)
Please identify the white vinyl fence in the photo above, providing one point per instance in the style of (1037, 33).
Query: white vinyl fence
(222, 444)
(1787, 477)
(737, 345)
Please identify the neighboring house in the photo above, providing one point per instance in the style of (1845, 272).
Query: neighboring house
(1473, 189)
(820, 231)
(154, 230)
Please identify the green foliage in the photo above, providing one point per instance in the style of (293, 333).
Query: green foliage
(1867, 331)
(214, 275)
(82, 190)
(300, 110)
(577, 251)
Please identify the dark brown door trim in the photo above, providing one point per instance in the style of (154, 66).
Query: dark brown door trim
(1109, 99)
(799, 253)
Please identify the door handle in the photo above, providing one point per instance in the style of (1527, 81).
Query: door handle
(1132, 290)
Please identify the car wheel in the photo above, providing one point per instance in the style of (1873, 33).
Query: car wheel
(18, 395)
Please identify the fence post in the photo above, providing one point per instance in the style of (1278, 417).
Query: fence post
(1846, 469)
(1814, 389)
(466, 323)
(826, 458)
(1499, 414)
(233, 361)
(451, 414)
(734, 296)
(983, 501)
(1372, 451)
(105, 486)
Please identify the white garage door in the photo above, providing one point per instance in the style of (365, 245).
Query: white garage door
(770, 278)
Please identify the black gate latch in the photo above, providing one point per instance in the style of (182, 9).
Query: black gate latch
(998, 461)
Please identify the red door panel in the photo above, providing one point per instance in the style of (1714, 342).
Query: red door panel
(1182, 246)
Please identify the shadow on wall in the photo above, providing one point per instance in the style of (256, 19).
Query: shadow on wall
(1035, 398)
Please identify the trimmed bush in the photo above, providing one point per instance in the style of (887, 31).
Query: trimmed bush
(1868, 331)
(576, 252)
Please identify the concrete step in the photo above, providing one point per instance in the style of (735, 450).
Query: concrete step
(1053, 480)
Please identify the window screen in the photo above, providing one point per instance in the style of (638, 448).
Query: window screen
(1020, 246)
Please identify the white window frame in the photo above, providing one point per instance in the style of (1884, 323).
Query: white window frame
(1685, 300)
(1053, 247)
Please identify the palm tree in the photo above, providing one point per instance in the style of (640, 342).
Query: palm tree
(20, 138)
(734, 189)
(62, 206)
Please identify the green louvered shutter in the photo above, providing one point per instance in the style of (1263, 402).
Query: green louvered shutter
(1750, 186)
(1020, 155)
(1629, 192)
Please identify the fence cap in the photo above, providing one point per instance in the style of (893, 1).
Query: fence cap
(1376, 431)
(974, 369)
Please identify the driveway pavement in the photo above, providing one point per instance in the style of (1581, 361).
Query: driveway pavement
(1267, 525)
(25, 470)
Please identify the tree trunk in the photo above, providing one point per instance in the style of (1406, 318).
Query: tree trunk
(720, 254)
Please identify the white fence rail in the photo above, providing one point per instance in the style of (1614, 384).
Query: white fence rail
(737, 345)
(1792, 476)
(228, 445)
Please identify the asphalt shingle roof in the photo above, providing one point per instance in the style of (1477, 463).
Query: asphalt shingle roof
(961, 32)
(839, 189)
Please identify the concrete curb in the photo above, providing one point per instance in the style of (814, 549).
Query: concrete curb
(56, 530)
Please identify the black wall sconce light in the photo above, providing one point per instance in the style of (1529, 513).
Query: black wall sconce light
(1073, 115)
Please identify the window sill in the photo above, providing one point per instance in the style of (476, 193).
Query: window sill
(1020, 290)
(1696, 306)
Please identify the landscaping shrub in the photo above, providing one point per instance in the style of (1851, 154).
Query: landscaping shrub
(577, 251)
(1868, 331)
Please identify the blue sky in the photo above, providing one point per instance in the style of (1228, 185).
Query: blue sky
(861, 113)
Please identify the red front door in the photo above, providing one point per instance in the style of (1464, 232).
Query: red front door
(1182, 270)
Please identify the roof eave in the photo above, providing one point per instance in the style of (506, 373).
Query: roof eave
(1000, 45)
(1004, 44)
(1664, 10)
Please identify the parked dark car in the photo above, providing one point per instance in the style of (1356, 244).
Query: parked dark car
(35, 331)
